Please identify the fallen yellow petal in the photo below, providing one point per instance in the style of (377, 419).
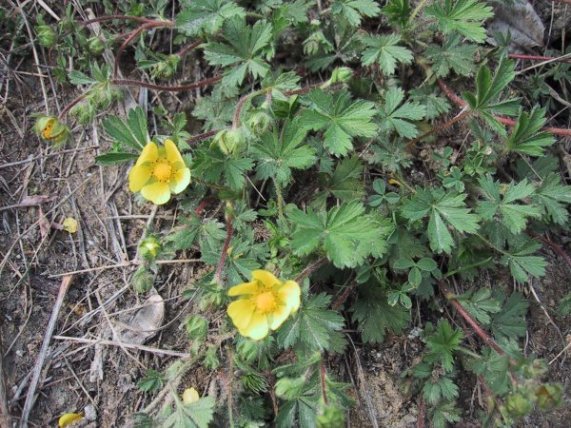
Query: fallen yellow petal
(68, 418)
(70, 225)
(190, 395)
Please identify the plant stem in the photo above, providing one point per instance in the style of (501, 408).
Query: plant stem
(224, 252)
(486, 338)
(280, 200)
(311, 268)
(416, 10)
(240, 106)
(140, 19)
(179, 88)
(68, 107)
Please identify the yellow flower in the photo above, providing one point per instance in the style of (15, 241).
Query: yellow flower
(69, 418)
(190, 395)
(70, 225)
(265, 303)
(158, 172)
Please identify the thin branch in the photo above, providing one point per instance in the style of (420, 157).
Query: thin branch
(30, 395)
(179, 88)
(486, 338)
(311, 269)
(539, 57)
(140, 19)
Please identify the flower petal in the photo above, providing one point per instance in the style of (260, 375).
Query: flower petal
(149, 154)
(257, 328)
(173, 155)
(138, 177)
(180, 181)
(158, 193)
(244, 288)
(279, 316)
(265, 277)
(290, 295)
(240, 312)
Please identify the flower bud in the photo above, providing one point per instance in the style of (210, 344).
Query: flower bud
(95, 46)
(83, 112)
(518, 405)
(47, 36)
(341, 75)
(190, 395)
(149, 248)
(228, 140)
(49, 128)
(259, 122)
(143, 280)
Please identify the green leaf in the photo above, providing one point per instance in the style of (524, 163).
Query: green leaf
(440, 389)
(453, 56)
(551, 196)
(194, 415)
(526, 137)
(434, 104)
(522, 264)
(345, 233)
(396, 116)
(210, 164)
(500, 203)
(480, 304)
(465, 17)
(339, 118)
(243, 53)
(278, 153)
(384, 51)
(206, 16)
(152, 381)
(354, 10)
(443, 210)
(346, 182)
(397, 11)
(76, 77)
(112, 158)
(494, 368)
(375, 316)
(132, 133)
(442, 344)
(510, 321)
(313, 327)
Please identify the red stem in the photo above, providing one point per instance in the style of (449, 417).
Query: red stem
(565, 132)
(203, 136)
(224, 253)
(323, 373)
(557, 249)
(68, 107)
(486, 338)
(188, 48)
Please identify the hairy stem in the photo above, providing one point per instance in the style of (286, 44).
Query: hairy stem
(224, 252)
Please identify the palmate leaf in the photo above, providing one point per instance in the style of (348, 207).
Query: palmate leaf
(440, 389)
(396, 116)
(194, 415)
(211, 163)
(503, 203)
(551, 196)
(278, 153)
(243, 53)
(443, 210)
(375, 316)
(453, 56)
(442, 344)
(485, 101)
(346, 233)
(480, 304)
(522, 263)
(384, 50)
(205, 16)
(461, 16)
(435, 105)
(340, 118)
(132, 133)
(314, 327)
(526, 137)
(510, 321)
(346, 181)
(397, 11)
(354, 10)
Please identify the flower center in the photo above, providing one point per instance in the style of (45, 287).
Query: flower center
(162, 171)
(266, 302)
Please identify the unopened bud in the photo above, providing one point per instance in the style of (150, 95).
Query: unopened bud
(143, 280)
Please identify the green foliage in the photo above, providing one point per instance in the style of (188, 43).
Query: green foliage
(384, 51)
(527, 137)
(443, 210)
(206, 16)
(452, 56)
(375, 316)
(194, 415)
(354, 10)
(314, 327)
(346, 233)
(396, 116)
(461, 16)
(245, 50)
(339, 118)
(152, 381)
